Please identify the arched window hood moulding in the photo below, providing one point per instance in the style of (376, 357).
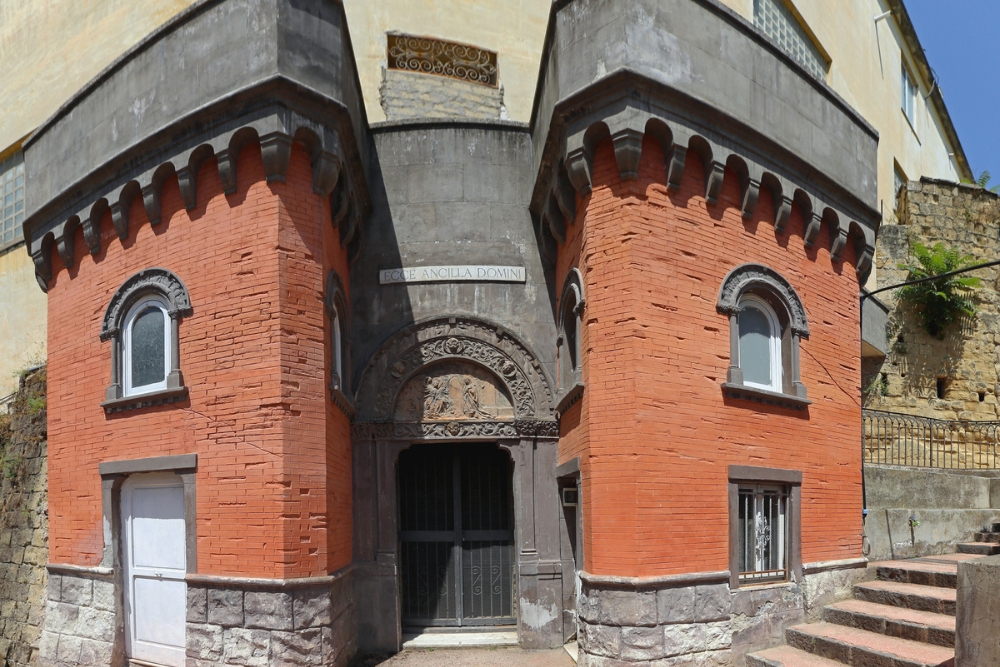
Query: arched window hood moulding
(166, 286)
(761, 279)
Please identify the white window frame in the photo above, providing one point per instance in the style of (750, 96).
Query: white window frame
(774, 342)
(909, 90)
(127, 388)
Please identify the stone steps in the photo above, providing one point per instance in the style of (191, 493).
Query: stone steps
(917, 572)
(920, 626)
(987, 537)
(905, 618)
(979, 548)
(861, 648)
(909, 596)
(788, 656)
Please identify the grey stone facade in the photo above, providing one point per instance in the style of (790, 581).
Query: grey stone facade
(697, 620)
(305, 623)
(82, 625)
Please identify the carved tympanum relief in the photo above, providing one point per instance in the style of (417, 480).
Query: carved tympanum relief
(453, 391)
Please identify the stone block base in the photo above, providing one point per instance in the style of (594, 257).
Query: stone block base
(256, 624)
(230, 621)
(697, 620)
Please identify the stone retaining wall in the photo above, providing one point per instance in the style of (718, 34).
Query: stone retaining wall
(23, 523)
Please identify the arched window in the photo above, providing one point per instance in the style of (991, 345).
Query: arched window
(340, 351)
(767, 321)
(569, 350)
(760, 343)
(142, 323)
(146, 349)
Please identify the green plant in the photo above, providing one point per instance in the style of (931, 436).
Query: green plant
(983, 181)
(35, 404)
(939, 303)
(12, 467)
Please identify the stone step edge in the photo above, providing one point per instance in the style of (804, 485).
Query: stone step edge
(799, 637)
(916, 600)
(911, 630)
(778, 656)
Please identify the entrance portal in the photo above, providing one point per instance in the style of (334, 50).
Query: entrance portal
(456, 534)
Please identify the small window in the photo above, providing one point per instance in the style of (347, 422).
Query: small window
(146, 354)
(340, 349)
(760, 344)
(909, 92)
(142, 324)
(568, 344)
(775, 19)
(899, 180)
(763, 533)
(764, 525)
(767, 321)
(11, 199)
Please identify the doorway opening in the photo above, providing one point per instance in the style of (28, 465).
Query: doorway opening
(456, 535)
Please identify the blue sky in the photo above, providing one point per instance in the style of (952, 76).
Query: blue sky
(962, 41)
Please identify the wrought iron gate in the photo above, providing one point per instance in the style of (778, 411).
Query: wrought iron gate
(456, 533)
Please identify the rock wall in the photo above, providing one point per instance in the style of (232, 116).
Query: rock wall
(967, 360)
(23, 523)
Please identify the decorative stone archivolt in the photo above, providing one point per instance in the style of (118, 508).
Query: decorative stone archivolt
(750, 276)
(453, 370)
(167, 286)
(275, 133)
(148, 281)
(567, 173)
(455, 430)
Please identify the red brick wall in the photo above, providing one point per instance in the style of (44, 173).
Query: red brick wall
(273, 453)
(653, 430)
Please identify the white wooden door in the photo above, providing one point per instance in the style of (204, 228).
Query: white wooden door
(154, 557)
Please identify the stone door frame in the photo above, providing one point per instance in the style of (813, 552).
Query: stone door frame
(531, 440)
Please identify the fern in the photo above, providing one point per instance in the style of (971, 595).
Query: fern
(940, 303)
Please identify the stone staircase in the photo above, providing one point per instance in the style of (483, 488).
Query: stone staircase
(987, 543)
(905, 618)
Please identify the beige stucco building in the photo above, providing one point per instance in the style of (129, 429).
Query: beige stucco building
(866, 55)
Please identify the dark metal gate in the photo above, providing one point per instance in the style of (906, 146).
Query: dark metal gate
(456, 534)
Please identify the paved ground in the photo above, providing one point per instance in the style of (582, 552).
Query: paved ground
(473, 657)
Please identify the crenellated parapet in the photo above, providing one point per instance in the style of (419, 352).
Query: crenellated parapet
(274, 133)
(155, 115)
(765, 121)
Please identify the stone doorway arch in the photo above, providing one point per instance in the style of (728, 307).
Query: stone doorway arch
(458, 380)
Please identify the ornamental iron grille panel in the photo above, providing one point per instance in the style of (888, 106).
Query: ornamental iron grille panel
(456, 533)
(435, 56)
(763, 533)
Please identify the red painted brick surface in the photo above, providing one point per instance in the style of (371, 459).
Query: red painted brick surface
(653, 430)
(273, 481)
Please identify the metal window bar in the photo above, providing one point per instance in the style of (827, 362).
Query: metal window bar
(892, 438)
(763, 534)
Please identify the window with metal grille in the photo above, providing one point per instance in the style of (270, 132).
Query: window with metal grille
(775, 19)
(11, 198)
(763, 533)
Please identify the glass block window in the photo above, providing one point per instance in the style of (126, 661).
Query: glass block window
(775, 19)
(11, 198)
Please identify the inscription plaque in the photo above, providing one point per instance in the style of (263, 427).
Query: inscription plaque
(443, 274)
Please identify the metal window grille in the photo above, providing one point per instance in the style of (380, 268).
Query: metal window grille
(776, 21)
(11, 198)
(763, 533)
